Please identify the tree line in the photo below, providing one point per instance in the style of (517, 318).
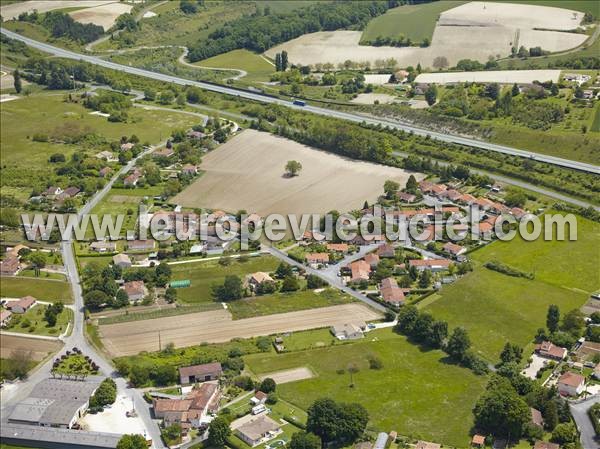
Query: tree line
(63, 25)
(259, 32)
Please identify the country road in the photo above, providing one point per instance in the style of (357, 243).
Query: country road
(77, 337)
(314, 109)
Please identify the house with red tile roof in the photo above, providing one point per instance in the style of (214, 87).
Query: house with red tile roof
(406, 197)
(549, 350)
(317, 258)
(338, 247)
(571, 384)
(391, 292)
(372, 259)
(10, 265)
(386, 251)
(22, 305)
(360, 271)
(454, 249)
(430, 264)
(136, 290)
(5, 316)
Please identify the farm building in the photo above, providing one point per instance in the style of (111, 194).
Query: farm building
(348, 331)
(22, 305)
(122, 260)
(571, 384)
(55, 402)
(199, 373)
(258, 430)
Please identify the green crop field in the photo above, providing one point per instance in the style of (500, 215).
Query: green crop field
(204, 275)
(286, 302)
(42, 289)
(416, 22)
(416, 393)
(495, 308)
(257, 67)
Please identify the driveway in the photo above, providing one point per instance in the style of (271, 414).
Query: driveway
(584, 423)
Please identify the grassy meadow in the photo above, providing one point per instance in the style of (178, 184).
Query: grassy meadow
(257, 67)
(496, 308)
(204, 275)
(416, 393)
(37, 324)
(286, 302)
(42, 289)
(47, 111)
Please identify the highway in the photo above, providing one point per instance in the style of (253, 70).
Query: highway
(56, 51)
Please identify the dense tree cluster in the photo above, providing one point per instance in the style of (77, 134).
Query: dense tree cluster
(336, 422)
(422, 328)
(63, 25)
(105, 394)
(260, 32)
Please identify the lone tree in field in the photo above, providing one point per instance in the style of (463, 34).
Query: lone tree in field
(292, 168)
(18, 84)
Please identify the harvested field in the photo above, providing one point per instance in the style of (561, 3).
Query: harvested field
(495, 27)
(372, 98)
(248, 173)
(217, 327)
(492, 76)
(39, 348)
(103, 15)
(289, 375)
(13, 10)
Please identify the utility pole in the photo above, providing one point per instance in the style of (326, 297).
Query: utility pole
(159, 344)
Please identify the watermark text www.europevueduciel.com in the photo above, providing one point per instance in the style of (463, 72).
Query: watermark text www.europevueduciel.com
(424, 225)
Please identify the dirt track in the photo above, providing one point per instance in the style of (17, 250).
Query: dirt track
(217, 327)
(39, 348)
(289, 375)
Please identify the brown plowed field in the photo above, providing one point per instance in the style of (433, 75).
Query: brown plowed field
(217, 326)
